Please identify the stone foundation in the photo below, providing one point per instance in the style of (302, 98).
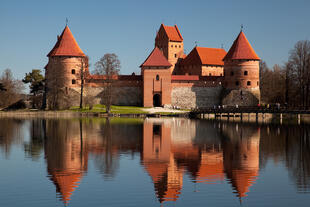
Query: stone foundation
(241, 97)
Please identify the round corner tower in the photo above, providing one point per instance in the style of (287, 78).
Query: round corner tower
(64, 65)
(241, 71)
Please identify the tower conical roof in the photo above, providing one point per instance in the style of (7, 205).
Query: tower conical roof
(156, 58)
(66, 182)
(66, 45)
(241, 50)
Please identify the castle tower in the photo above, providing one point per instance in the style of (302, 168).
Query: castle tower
(170, 41)
(241, 71)
(156, 79)
(64, 64)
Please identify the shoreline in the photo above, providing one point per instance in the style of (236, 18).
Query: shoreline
(77, 114)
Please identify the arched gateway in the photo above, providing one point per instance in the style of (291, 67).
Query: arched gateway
(156, 100)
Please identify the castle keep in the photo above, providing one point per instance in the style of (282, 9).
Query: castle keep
(203, 78)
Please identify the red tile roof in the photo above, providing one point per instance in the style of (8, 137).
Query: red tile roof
(66, 45)
(241, 49)
(173, 33)
(156, 58)
(205, 56)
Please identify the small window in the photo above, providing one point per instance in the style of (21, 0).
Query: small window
(157, 77)
(245, 72)
(73, 71)
(248, 83)
(73, 81)
(175, 55)
(171, 45)
(237, 83)
(179, 46)
(221, 74)
(232, 73)
(175, 46)
(257, 82)
(210, 74)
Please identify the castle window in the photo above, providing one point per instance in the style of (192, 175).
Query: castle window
(232, 73)
(179, 46)
(73, 71)
(245, 72)
(237, 83)
(210, 74)
(257, 82)
(73, 81)
(175, 55)
(171, 45)
(221, 74)
(157, 77)
(248, 83)
(175, 46)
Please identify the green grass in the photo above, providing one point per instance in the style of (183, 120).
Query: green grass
(114, 109)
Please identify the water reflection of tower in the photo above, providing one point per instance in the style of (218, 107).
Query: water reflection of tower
(241, 156)
(158, 160)
(65, 155)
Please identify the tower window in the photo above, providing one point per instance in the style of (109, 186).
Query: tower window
(175, 46)
(175, 55)
(245, 73)
(179, 46)
(73, 71)
(171, 45)
(232, 73)
(157, 77)
(237, 83)
(248, 83)
(73, 81)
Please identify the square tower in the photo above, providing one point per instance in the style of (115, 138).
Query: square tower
(156, 80)
(170, 41)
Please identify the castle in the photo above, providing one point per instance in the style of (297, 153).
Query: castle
(203, 78)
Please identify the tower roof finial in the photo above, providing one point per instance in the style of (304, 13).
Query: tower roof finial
(66, 21)
(241, 27)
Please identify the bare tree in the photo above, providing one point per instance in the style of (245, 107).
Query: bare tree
(109, 66)
(300, 64)
(13, 87)
(272, 83)
(2, 88)
(83, 73)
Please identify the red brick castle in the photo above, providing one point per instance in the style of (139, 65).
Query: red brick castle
(203, 78)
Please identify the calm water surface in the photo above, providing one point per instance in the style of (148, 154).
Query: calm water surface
(152, 162)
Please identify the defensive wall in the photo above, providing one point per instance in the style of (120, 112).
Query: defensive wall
(187, 91)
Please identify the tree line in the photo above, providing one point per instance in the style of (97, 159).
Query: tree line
(288, 84)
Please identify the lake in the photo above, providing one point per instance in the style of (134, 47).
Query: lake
(152, 162)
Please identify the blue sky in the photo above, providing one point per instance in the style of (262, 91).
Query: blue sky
(28, 29)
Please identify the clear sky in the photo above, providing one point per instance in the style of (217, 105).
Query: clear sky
(28, 29)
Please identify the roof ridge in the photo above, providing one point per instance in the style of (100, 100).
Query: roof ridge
(200, 58)
(178, 31)
(156, 58)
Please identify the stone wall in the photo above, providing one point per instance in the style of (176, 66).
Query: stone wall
(192, 97)
(126, 96)
(241, 97)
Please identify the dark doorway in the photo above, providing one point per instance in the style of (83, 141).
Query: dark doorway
(156, 100)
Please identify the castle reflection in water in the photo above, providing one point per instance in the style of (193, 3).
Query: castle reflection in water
(169, 149)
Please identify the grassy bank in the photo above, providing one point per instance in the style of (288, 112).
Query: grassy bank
(98, 108)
